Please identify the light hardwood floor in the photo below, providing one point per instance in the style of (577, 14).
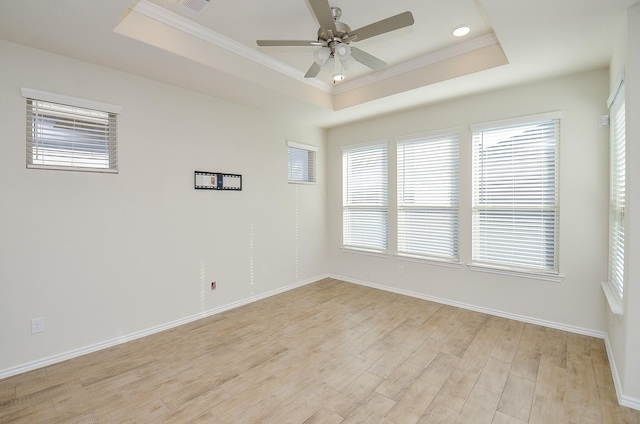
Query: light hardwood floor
(330, 352)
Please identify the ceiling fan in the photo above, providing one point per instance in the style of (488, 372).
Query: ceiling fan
(334, 38)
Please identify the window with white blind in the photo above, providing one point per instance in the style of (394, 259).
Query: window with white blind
(365, 206)
(428, 196)
(70, 134)
(302, 163)
(617, 192)
(515, 194)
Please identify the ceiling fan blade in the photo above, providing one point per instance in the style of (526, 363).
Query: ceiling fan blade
(386, 25)
(313, 71)
(274, 43)
(322, 10)
(367, 60)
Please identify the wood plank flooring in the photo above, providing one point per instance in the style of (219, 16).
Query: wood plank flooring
(330, 352)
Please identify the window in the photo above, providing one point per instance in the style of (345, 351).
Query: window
(302, 163)
(365, 213)
(69, 133)
(428, 186)
(515, 194)
(617, 192)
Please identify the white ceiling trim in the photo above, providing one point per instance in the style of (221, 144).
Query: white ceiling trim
(167, 17)
(174, 20)
(420, 62)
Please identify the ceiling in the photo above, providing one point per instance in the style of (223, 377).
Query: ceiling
(215, 53)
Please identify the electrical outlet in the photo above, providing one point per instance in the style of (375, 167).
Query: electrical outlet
(264, 273)
(213, 285)
(400, 270)
(37, 325)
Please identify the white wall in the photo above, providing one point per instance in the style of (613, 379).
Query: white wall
(632, 291)
(577, 302)
(104, 256)
(623, 333)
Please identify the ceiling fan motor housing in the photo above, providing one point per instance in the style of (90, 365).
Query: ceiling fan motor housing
(328, 37)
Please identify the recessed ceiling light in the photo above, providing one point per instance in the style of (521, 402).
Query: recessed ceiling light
(461, 30)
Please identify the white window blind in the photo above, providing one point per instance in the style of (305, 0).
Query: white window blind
(617, 193)
(365, 213)
(302, 163)
(69, 136)
(515, 194)
(428, 196)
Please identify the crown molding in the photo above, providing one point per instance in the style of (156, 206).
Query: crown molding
(176, 21)
(420, 62)
(158, 13)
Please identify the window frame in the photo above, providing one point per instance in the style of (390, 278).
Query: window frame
(446, 203)
(616, 272)
(63, 101)
(510, 268)
(381, 190)
(310, 172)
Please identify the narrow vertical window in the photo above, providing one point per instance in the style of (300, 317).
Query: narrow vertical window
(428, 196)
(617, 192)
(365, 206)
(515, 194)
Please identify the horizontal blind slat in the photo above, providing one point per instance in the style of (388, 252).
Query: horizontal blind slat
(428, 196)
(67, 136)
(617, 190)
(365, 215)
(515, 196)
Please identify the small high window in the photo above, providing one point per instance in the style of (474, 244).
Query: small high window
(66, 133)
(302, 163)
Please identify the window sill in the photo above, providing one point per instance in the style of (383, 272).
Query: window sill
(365, 252)
(429, 261)
(516, 273)
(614, 303)
(302, 182)
(73, 168)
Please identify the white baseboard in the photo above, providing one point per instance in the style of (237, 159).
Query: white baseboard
(516, 317)
(147, 332)
(622, 399)
(614, 369)
(629, 402)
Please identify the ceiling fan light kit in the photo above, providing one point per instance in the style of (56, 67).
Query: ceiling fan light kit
(343, 51)
(321, 55)
(334, 38)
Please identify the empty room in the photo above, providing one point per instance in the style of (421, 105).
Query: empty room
(313, 211)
